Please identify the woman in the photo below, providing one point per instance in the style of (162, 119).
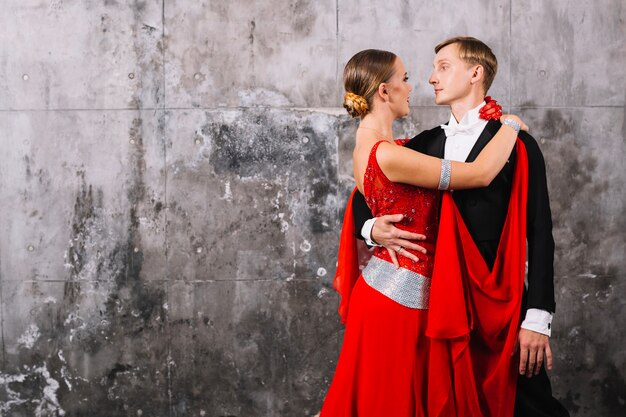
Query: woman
(383, 367)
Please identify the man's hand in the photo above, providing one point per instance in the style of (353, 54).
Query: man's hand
(533, 347)
(395, 240)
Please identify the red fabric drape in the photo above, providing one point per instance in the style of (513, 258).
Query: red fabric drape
(474, 313)
(347, 261)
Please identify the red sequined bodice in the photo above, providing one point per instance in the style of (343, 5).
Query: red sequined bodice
(420, 207)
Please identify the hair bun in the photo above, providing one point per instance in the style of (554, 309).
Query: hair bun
(355, 104)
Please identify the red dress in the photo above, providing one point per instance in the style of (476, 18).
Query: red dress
(396, 361)
(382, 368)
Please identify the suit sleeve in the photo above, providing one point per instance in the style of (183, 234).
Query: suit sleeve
(539, 232)
(360, 212)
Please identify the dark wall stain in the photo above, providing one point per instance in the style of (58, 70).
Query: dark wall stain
(145, 37)
(260, 147)
(303, 12)
(571, 402)
(253, 153)
(251, 36)
(613, 388)
(127, 255)
(41, 175)
(138, 6)
(29, 174)
(85, 207)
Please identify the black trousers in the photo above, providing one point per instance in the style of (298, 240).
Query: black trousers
(534, 397)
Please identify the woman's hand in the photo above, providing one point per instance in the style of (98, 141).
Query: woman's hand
(515, 118)
(490, 111)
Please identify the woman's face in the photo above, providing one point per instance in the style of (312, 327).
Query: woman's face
(399, 90)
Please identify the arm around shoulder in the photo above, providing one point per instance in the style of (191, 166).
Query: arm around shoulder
(406, 166)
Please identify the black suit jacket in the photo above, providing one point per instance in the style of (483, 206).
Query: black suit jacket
(484, 210)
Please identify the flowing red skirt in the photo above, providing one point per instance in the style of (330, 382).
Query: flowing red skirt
(386, 362)
(382, 369)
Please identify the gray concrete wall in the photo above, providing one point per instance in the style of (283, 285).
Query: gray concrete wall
(173, 175)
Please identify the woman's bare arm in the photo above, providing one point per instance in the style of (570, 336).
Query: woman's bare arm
(407, 166)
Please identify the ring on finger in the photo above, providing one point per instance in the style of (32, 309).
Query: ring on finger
(399, 248)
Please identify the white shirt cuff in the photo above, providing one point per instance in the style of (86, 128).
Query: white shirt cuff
(539, 321)
(366, 232)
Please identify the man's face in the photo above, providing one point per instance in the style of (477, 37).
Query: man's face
(451, 76)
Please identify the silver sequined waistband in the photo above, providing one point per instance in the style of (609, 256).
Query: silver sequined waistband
(401, 285)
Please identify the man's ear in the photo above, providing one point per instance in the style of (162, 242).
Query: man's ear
(477, 75)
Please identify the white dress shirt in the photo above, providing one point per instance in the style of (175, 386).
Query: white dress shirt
(462, 136)
(460, 139)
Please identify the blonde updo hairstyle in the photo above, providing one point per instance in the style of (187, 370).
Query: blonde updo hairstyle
(362, 76)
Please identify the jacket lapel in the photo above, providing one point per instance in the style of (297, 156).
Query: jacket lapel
(439, 144)
(488, 132)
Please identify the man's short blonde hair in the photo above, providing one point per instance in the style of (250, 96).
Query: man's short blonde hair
(475, 52)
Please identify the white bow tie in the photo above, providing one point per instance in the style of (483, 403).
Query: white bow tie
(459, 129)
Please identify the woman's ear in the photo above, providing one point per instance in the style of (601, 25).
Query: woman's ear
(477, 75)
(383, 93)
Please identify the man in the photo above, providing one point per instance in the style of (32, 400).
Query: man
(463, 71)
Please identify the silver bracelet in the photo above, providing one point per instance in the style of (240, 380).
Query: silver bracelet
(513, 124)
(444, 178)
